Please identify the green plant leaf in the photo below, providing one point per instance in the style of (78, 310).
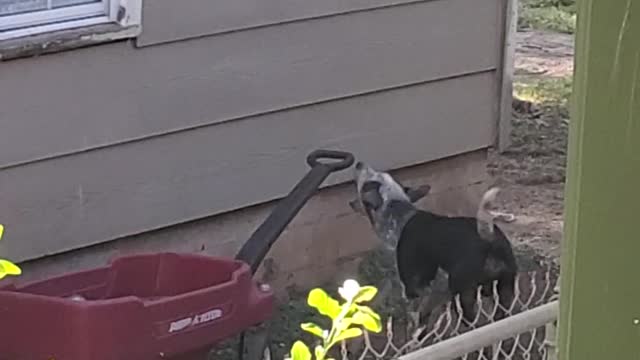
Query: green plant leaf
(370, 320)
(367, 310)
(300, 351)
(344, 324)
(313, 328)
(8, 268)
(348, 334)
(324, 303)
(365, 293)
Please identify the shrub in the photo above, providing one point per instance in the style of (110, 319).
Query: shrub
(347, 319)
(554, 15)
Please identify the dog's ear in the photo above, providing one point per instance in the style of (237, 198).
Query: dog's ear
(356, 206)
(418, 193)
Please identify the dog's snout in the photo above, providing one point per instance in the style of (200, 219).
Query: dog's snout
(359, 165)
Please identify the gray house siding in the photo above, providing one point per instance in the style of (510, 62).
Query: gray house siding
(164, 20)
(114, 140)
(104, 95)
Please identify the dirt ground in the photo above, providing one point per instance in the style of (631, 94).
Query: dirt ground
(544, 53)
(532, 171)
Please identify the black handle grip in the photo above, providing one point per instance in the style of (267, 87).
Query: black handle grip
(258, 245)
(346, 159)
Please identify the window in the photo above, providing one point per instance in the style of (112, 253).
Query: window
(29, 17)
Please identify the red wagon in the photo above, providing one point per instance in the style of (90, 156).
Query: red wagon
(152, 306)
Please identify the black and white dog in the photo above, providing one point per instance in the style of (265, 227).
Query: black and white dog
(473, 252)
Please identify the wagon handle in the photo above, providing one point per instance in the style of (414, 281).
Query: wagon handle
(259, 243)
(346, 159)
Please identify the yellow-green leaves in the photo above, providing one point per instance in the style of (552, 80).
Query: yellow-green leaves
(364, 294)
(348, 334)
(324, 303)
(300, 351)
(348, 319)
(314, 329)
(366, 317)
(6, 266)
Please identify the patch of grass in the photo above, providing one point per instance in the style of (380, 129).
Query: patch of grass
(553, 15)
(545, 91)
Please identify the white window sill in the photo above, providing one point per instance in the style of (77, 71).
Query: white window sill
(123, 22)
(84, 34)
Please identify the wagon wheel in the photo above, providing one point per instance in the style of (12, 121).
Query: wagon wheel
(254, 345)
(251, 344)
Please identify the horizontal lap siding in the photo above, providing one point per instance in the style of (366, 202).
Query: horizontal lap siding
(171, 20)
(106, 95)
(91, 197)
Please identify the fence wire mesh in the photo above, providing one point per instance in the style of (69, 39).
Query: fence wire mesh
(400, 338)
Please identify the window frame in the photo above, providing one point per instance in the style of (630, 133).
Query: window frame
(71, 17)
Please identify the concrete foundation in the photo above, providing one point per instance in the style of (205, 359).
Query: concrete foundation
(323, 243)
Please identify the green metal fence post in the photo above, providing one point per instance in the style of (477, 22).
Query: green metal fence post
(600, 292)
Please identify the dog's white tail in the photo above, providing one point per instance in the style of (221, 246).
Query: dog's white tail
(484, 217)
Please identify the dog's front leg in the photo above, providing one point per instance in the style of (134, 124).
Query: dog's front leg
(413, 314)
(412, 297)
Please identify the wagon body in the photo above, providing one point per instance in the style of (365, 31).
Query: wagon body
(138, 307)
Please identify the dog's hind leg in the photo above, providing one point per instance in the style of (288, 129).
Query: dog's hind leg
(468, 303)
(462, 283)
(506, 294)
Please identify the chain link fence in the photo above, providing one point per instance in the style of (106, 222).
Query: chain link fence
(527, 333)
